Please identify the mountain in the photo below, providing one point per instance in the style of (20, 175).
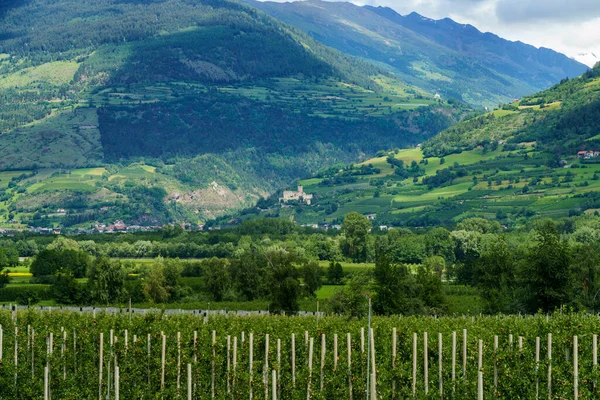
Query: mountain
(180, 110)
(442, 56)
(537, 157)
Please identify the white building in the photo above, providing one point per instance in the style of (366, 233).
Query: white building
(299, 195)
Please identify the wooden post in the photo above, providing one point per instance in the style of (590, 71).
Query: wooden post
(520, 343)
(362, 340)
(33, 353)
(479, 385)
(266, 368)
(335, 352)
(349, 345)
(549, 366)
(414, 371)
(373, 366)
(228, 363)
(278, 369)
(235, 345)
(310, 362)
(425, 363)
(117, 378)
(195, 347)
(178, 361)
(293, 351)
(214, 356)
(274, 385)
(495, 365)
(62, 355)
(250, 362)
(440, 375)
(537, 366)
(189, 381)
(394, 345)
(148, 364)
(594, 357)
(46, 391)
(100, 366)
(1, 343)
(453, 362)
(480, 355)
(74, 350)
(575, 368)
(16, 353)
(162, 361)
(322, 371)
(464, 360)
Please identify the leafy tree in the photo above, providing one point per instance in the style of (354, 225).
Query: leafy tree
(335, 273)
(495, 275)
(9, 257)
(356, 228)
(311, 273)
(395, 289)
(430, 290)
(248, 272)
(546, 271)
(154, 284)
(480, 225)
(284, 286)
(352, 301)
(217, 279)
(4, 279)
(439, 242)
(66, 290)
(45, 263)
(106, 279)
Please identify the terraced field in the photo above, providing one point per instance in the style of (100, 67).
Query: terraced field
(512, 185)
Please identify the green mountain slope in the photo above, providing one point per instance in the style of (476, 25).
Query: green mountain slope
(513, 164)
(453, 59)
(181, 109)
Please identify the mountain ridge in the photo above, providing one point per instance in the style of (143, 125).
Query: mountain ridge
(535, 158)
(180, 110)
(410, 47)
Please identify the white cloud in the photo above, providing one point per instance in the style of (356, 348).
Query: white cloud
(572, 27)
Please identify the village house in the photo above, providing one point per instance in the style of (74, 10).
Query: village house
(371, 217)
(119, 225)
(587, 154)
(299, 195)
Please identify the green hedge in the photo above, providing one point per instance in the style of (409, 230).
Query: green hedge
(12, 294)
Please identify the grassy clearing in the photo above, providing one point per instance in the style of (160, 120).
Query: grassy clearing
(55, 73)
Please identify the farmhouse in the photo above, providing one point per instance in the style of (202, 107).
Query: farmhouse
(587, 154)
(299, 195)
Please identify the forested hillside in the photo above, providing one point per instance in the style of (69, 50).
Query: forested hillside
(538, 157)
(442, 56)
(215, 102)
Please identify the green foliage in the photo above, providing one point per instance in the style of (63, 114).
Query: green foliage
(547, 273)
(216, 277)
(335, 273)
(311, 274)
(52, 262)
(356, 228)
(106, 280)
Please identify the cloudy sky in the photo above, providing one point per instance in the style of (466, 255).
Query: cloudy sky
(569, 26)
